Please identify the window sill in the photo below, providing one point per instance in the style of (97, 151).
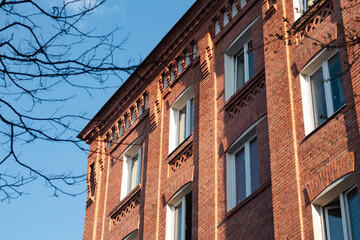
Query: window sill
(180, 148)
(242, 93)
(315, 130)
(248, 199)
(128, 199)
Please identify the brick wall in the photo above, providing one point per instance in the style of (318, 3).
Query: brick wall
(294, 167)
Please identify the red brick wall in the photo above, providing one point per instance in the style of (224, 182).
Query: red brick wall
(293, 167)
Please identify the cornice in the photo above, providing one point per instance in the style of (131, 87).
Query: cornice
(197, 13)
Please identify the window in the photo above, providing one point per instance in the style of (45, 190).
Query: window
(164, 80)
(234, 10)
(194, 52)
(322, 89)
(172, 75)
(179, 67)
(301, 6)
(244, 65)
(121, 130)
(187, 59)
(217, 26)
(146, 101)
(132, 158)
(179, 214)
(225, 18)
(243, 3)
(336, 211)
(126, 119)
(181, 118)
(133, 115)
(139, 108)
(242, 170)
(108, 141)
(132, 236)
(114, 134)
(239, 62)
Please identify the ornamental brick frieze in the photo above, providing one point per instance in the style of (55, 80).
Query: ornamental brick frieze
(181, 158)
(126, 206)
(246, 95)
(311, 20)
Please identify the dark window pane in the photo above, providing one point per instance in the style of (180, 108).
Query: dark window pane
(251, 59)
(239, 71)
(337, 88)
(335, 224)
(92, 180)
(240, 175)
(318, 97)
(254, 165)
(188, 216)
(354, 212)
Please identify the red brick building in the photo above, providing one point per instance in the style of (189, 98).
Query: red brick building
(243, 123)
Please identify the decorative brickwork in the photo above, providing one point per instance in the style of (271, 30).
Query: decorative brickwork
(126, 206)
(246, 95)
(181, 158)
(314, 18)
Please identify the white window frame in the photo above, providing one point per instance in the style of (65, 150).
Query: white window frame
(243, 141)
(319, 61)
(340, 188)
(183, 100)
(135, 148)
(176, 200)
(236, 47)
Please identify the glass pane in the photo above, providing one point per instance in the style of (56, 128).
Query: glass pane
(165, 84)
(239, 71)
(335, 224)
(133, 116)
(337, 88)
(191, 115)
(126, 122)
(354, 213)
(108, 141)
(178, 218)
(179, 67)
(114, 136)
(251, 59)
(194, 51)
(318, 97)
(240, 175)
(182, 120)
(254, 165)
(139, 108)
(188, 216)
(134, 168)
(187, 59)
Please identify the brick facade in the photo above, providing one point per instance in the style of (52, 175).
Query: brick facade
(294, 166)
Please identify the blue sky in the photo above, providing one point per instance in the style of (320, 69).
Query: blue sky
(39, 215)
